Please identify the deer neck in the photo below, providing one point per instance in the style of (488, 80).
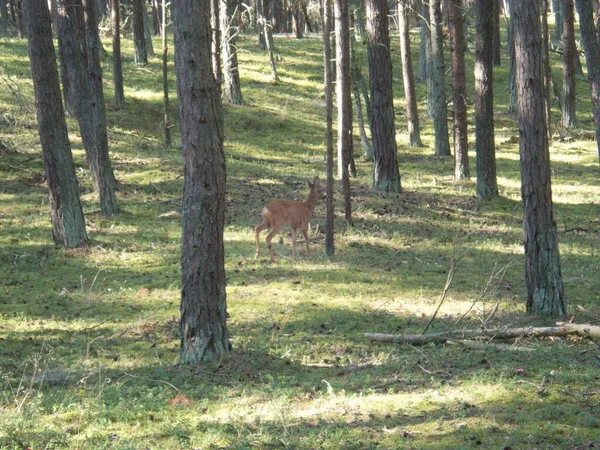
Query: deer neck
(311, 201)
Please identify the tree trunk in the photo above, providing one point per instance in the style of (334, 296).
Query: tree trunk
(108, 182)
(328, 82)
(157, 11)
(487, 185)
(232, 89)
(216, 43)
(68, 225)
(424, 44)
(569, 55)
(546, 61)
(545, 293)
(165, 72)
(76, 78)
(592, 58)
(20, 19)
(386, 176)
(512, 70)
(412, 114)
(440, 109)
(147, 31)
(497, 41)
(559, 18)
(203, 322)
(116, 46)
(139, 37)
(3, 16)
(269, 44)
(459, 91)
(344, 102)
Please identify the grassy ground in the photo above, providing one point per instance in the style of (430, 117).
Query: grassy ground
(89, 337)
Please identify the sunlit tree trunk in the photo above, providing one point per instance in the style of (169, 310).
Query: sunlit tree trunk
(440, 109)
(139, 36)
(545, 292)
(232, 88)
(68, 225)
(203, 321)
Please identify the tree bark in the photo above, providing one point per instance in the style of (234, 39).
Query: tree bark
(440, 109)
(497, 41)
(165, 72)
(487, 185)
(216, 43)
(592, 59)
(512, 70)
(459, 91)
(424, 43)
(147, 31)
(386, 176)
(569, 55)
(412, 114)
(344, 102)
(328, 82)
(232, 89)
(203, 323)
(116, 46)
(545, 292)
(68, 225)
(139, 37)
(546, 61)
(108, 183)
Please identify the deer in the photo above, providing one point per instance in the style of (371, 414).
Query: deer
(288, 212)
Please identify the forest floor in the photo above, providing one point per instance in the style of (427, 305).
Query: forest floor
(89, 338)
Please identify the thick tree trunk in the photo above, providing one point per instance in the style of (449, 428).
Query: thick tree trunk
(440, 109)
(386, 176)
(116, 47)
(545, 293)
(108, 182)
(412, 114)
(68, 225)
(569, 55)
(459, 91)
(592, 58)
(328, 85)
(487, 185)
(232, 88)
(203, 323)
(139, 37)
(344, 101)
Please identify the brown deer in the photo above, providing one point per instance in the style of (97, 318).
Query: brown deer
(288, 212)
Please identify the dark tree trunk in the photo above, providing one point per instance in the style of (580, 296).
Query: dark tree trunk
(328, 85)
(487, 185)
(512, 70)
(108, 185)
(203, 323)
(116, 46)
(440, 109)
(569, 55)
(20, 19)
(497, 40)
(3, 16)
(216, 43)
(68, 225)
(459, 91)
(165, 72)
(147, 31)
(592, 58)
(156, 17)
(386, 176)
(298, 23)
(424, 44)
(412, 114)
(139, 37)
(344, 101)
(559, 18)
(79, 84)
(546, 61)
(545, 293)
(232, 88)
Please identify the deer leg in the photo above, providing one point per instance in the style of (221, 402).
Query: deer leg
(273, 232)
(294, 241)
(304, 232)
(257, 231)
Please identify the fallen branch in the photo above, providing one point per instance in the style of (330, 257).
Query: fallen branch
(562, 329)
(487, 345)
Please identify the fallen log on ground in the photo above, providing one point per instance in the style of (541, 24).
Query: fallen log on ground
(561, 329)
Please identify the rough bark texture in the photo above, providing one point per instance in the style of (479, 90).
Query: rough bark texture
(68, 225)
(139, 38)
(344, 101)
(386, 176)
(108, 183)
(203, 320)
(328, 85)
(569, 55)
(459, 91)
(592, 58)
(438, 81)
(412, 114)
(545, 293)
(116, 47)
(232, 88)
(487, 185)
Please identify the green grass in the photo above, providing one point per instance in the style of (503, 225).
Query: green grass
(89, 338)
